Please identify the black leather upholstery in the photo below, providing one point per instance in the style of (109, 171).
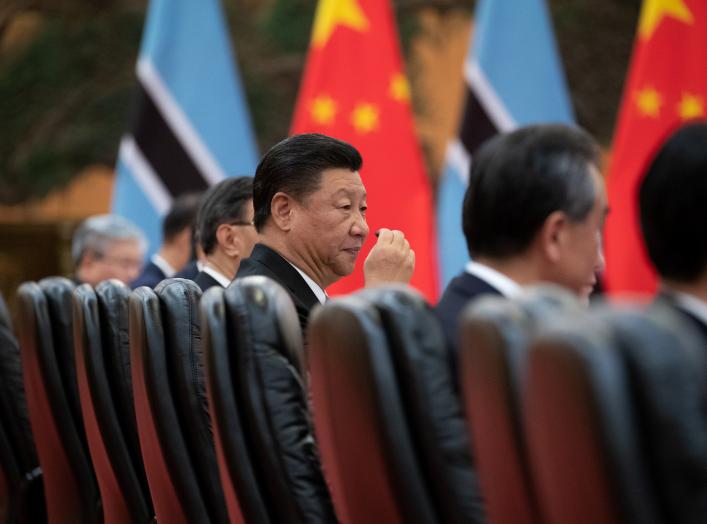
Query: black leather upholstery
(179, 300)
(267, 358)
(101, 332)
(21, 498)
(170, 474)
(46, 344)
(368, 455)
(244, 499)
(583, 433)
(432, 406)
(668, 377)
(493, 357)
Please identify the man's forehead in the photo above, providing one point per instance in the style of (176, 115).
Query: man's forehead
(342, 180)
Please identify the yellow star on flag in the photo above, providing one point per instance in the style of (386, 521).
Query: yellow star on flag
(649, 101)
(399, 88)
(655, 10)
(365, 117)
(323, 109)
(331, 13)
(691, 106)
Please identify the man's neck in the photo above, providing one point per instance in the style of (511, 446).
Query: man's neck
(696, 289)
(223, 264)
(521, 270)
(298, 258)
(171, 256)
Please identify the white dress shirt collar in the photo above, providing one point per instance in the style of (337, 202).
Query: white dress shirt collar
(164, 266)
(507, 287)
(318, 291)
(691, 304)
(218, 277)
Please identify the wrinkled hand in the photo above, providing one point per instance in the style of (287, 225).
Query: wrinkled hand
(390, 260)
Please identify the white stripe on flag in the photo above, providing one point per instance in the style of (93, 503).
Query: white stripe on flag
(144, 175)
(179, 121)
(487, 96)
(459, 160)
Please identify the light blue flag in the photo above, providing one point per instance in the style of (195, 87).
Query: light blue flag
(191, 126)
(513, 77)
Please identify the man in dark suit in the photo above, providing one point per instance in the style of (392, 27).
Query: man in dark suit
(176, 248)
(225, 230)
(310, 213)
(673, 210)
(533, 212)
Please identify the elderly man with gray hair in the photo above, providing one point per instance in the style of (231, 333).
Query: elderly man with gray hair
(107, 246)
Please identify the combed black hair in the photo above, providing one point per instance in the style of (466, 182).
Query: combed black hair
(294, 166)
(672, 199)
(181, 215)
(518, 179)
(222, 203)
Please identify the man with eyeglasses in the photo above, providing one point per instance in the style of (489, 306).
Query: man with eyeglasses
(107, 246)
(224, 226)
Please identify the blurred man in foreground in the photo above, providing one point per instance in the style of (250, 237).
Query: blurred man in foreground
(107, 246)
(310, 213)
(534, 212)
(176, 249)
(673, 209)
(225, 230)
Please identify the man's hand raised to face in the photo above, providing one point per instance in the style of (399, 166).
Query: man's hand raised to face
(390, 260)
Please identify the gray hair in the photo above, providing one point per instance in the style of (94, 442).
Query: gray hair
(99, 232)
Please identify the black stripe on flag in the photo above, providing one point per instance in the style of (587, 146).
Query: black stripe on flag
(476, 125)
(162, 149)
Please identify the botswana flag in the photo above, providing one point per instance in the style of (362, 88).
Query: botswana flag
(191, 127)
(513, 77)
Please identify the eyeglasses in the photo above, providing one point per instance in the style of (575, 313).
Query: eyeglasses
(242, 223)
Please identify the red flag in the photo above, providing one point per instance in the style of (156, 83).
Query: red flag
(354, 89)
(667, 85)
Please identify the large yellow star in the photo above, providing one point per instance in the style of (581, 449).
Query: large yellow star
(649, 101)
(331, 13)
(323, 109)
(691, 106)
(365, 117)
(654, 10)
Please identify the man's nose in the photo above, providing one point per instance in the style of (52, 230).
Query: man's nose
(601, 262)
(359, 226)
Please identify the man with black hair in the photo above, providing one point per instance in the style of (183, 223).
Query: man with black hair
(225, 230)
(176, 249)
(673, 210)
(533, 212)
(310, 213)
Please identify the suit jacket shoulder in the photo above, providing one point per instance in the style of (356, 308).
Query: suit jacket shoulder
(205, 281)
(456, 296)
(151, 276)
(267, 262)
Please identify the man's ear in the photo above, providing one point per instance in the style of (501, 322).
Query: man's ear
(227, 240)
(552, 235)
(281, 209)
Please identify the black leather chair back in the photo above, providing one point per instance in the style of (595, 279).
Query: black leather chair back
(368, 454)
(495, 334)
(46, 344)
(667, 368)
(267, 361)
(179, 300)
(244, 499)
(583, 433)
(22, 497)
(101, 337)
(432, 406)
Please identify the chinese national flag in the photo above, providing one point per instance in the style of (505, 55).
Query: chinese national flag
(667, 85)
(354, 89)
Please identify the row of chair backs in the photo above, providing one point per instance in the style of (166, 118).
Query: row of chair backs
(258, 396)
(170, 403)
(103, 371)
(46, 342)
(21, 494)
(387, 418)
